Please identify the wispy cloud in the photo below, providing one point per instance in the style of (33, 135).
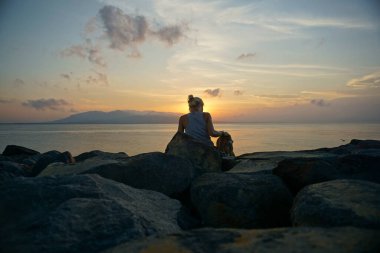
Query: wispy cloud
(213, 92)
(18, 83)
(368, 81)
(66, 77)
(5, 101)
(127, 32)
(326, 22)
(88, 51)
(238, 92)
(247, 56)
(319, 102)
(277, 96)
(47, 104)
(98, 78)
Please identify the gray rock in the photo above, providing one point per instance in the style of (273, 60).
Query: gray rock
(85, 213)
(280, 240)
(51, 157)
(205, 157)
(101, 155)
(155, 171)
(59, 168)
(9, 170)
(338, 203)
(362, 167)
(242, 200)
(254, 165)
(300, 172)
(269, 160)
(12, 150)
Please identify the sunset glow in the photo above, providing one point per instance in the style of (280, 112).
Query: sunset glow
(250, 61)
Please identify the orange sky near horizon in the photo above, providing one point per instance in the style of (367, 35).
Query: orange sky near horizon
(250, 61)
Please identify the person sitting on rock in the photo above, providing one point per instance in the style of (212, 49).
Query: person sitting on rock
(198, 124)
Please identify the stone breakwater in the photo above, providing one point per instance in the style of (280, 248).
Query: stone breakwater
(190, 199)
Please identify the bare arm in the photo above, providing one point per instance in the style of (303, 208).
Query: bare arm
(181, 127)
(210, 127)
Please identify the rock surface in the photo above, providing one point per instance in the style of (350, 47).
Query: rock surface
(85, 213)
(338, 203)
(55, 169)
(101, 155)
(300, 172)
(280, 240)
(14, 150)
(205, 157)
(9, 170)
(51, 157)
(242, 200)
(155, 171)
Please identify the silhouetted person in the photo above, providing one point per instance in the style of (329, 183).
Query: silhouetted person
(198, 124)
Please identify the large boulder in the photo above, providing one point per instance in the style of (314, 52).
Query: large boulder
(359, 166)
(51, 157)
(254, 200)
(14, 150)
(155, 171)
(258, 161)
(9, 170)
(101, 155)
(300, 172)
(205, 157)
(85, 213)
(338, 203)
(279, 240)
(59, 168)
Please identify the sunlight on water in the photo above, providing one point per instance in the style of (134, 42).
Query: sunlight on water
(141, 138)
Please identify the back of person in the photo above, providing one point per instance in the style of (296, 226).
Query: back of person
(197, 127)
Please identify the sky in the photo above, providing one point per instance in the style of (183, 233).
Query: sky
(250, 61)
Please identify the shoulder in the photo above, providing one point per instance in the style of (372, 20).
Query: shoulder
(207, 115)
(183, 118)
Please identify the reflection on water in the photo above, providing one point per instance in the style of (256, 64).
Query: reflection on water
(140, 138)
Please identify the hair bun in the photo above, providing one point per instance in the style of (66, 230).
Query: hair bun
(190, 97)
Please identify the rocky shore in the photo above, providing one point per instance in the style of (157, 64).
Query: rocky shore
(190, 199)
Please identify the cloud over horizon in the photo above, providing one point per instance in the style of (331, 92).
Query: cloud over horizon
(213, 93)
(47, 104)
(247, 56)
(319, 102)
(127, 32)
(368, 81)
(88, 51)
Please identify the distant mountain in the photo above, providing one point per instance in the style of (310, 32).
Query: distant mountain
(120, 117)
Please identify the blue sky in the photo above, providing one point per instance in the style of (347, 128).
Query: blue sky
(249, 60)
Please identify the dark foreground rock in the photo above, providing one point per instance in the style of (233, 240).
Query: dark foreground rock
(242, 200)
(338, 203)
(205, 157)
(84, 213)
(300, 172)
(101, 155)
(51, 157)
(14, 150)
(9, 170)
(155, 171)
(281, 240)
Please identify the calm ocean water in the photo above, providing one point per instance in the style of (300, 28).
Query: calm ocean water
(140, 138)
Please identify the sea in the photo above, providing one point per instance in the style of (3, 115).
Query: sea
(135, 139)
